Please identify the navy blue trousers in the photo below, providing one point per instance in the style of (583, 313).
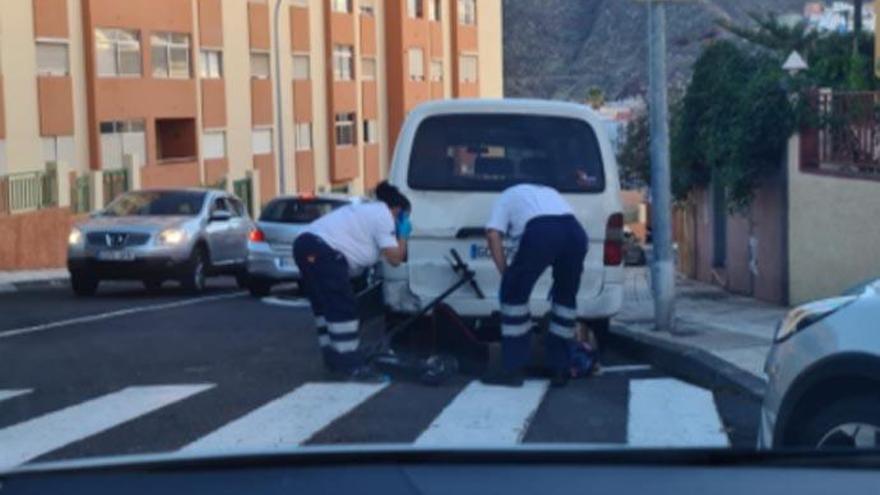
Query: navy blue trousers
(325, 277)
(559, 243)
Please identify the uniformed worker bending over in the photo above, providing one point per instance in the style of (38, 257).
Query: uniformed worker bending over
(336, 247)
(549, 235)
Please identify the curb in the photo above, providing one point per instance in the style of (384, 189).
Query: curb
(41, 283)
(693, 364)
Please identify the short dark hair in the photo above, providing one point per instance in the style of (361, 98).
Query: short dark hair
(392, 196)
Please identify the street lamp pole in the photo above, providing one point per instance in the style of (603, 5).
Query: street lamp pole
(663, 266)
(282, 182)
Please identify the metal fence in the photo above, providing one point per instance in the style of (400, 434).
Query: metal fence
(845, 139)
(115, 183)
(28, 191)
(80, 195)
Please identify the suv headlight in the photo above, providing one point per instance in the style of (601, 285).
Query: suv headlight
(808, 314)
(172, 237)
(75, 237)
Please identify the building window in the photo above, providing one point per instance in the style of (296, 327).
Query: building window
(367, 8)
(436, 70)
(118, 52)
(303, 136)
(175, 139)
(301, 70)
(467, 12)
(52, 58)
(121, 138)
(59, 149)
(261, 141)
(214, 145)
(212, 64)
(368, 68)
(345, 130)
(371, 131)
(414, 9)
(343, 6)
(468, 69)
(416, 64)
(260, 65)
(170, 55)
(342, 62)
(435, 7)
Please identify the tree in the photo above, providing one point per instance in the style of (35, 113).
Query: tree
(857, 25)
(634, 159)
(596, 97)
(771, 34)
(733, 124)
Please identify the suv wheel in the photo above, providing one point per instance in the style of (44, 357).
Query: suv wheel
(196, 271)
(83, 285)
(259, 287)
(853, 422)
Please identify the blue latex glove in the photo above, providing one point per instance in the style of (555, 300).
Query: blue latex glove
(404, 226)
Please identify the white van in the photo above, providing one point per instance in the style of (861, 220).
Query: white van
(454, 157)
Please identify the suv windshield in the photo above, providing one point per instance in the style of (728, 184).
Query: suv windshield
(494, 152)
(156, 203)
(298, 210)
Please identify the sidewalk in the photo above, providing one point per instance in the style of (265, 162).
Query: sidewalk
(718, 331)
(11, 280)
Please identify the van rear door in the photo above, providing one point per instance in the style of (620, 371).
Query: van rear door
(458, 166)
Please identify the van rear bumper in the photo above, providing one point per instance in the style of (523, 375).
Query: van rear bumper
(399, 299)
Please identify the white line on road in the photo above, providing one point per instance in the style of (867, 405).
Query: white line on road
(299, 302)
(113, 314)
(289, 420)
(666, 412)
(485, 415)
(35, 437)
(8, 394)
(624, 368)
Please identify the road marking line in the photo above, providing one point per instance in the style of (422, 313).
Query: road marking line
(665, 412)
(485, 415)
(624, 368)
(30, 439)
(299, 302)
(114, 314)
(289, 420)
(8, 394)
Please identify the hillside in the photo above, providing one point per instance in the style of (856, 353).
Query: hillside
(560, 48)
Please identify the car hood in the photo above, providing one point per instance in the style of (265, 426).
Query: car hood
(136, 223)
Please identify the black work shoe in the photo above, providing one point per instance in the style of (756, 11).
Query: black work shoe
(367, 374)
(559, 378)
(504, 378)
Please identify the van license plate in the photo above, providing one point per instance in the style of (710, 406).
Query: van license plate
(116, 255)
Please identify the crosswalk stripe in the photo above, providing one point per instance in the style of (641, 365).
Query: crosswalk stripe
(289, 420)
(666, 412)
(484, 415)
(25, 441)
(8, 394)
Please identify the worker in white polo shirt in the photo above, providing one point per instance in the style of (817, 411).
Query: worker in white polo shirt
(336, 247)
(548, 236)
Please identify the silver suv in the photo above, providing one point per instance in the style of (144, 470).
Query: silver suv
(158, 235)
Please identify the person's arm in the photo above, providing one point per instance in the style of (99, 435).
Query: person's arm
(396, 255)
(496, 249)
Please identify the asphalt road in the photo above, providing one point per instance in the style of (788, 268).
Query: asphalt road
(128, 372)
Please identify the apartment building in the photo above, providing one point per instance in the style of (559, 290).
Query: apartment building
(100, 96)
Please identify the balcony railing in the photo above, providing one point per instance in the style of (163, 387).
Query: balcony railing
(28, 191)
(845, 139)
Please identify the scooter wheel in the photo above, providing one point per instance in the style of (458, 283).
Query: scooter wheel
(438, 369)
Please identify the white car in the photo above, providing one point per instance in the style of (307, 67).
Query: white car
(453, 158)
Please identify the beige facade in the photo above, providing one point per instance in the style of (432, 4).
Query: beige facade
(832, 241)
(183, 118)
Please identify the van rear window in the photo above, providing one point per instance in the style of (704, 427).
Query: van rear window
(468, 152)
(298, 210)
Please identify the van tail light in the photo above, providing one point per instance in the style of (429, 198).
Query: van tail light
(614, 240)
(257, 235)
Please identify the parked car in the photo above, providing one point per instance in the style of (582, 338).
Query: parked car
(161, 234)
(455, 157)
(270, 244)
(823, 374)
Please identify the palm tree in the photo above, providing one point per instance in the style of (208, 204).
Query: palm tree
(596, 97)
